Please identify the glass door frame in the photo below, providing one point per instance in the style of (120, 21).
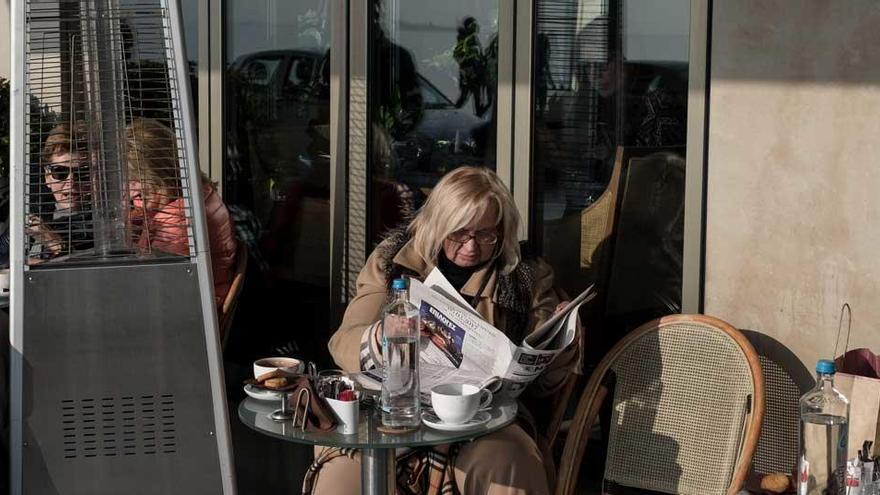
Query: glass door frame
(694, 256)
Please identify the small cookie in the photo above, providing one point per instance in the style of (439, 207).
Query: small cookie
(279, 382)
(775, 483)
(270, 374)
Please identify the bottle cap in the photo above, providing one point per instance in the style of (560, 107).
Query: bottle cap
(398, 284)
(825, 366)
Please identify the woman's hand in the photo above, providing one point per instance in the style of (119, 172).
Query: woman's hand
(51, 241)
(560, 306)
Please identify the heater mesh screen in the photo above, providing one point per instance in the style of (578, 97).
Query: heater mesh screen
(106, 175)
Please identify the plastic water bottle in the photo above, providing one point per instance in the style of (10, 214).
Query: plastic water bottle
(824, 427)
(400, 356)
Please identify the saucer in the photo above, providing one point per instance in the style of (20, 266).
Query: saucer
(479, 419)
(261, 394)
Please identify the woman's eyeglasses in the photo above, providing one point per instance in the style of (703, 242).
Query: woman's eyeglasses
(485, 237)
(62, 172)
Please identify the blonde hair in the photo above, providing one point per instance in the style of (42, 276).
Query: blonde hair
(151, 156)
(461, 198)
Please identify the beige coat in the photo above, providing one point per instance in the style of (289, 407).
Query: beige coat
(365, 310)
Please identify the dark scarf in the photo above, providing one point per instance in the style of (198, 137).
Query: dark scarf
(457, 275)
(513, 291)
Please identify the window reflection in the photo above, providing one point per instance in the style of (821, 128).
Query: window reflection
(433, 79)
(277, 168)
(610, 93)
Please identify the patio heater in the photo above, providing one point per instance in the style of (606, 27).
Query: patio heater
(116, 372)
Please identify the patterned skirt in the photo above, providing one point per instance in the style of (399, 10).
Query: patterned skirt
(422, 471)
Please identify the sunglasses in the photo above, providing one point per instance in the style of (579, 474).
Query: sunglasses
(62, 172)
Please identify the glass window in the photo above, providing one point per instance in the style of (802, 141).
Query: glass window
(432, 98)
(190, 10)
(300, 73)
(433, 79)
(610, 93)
(260, 71)
(277, 171)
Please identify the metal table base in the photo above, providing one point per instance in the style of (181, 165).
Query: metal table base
(378, 471)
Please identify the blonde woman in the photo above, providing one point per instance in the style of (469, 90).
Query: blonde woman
(467, 228)
(158, 209)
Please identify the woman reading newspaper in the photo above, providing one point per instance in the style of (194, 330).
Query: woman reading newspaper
(468, 228)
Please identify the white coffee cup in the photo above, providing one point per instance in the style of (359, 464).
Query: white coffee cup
(265, 365)
(347, 413)
(456, 403)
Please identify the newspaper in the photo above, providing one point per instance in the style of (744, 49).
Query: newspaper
(457, 344)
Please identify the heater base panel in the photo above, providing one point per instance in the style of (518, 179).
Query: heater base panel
(117, 391)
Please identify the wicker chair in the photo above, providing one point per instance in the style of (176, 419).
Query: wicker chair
(614, 248)
(688, 401)
(786, 379)
(230, 302)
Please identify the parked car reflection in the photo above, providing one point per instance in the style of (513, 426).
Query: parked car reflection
(287, 93)
(444, 137)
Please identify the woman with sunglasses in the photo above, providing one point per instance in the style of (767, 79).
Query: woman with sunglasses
(66, 172)
(468, 229)
(159, 213)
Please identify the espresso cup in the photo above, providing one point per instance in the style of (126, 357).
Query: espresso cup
(456, 403)
(265, 365)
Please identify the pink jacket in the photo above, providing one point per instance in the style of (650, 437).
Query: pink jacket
(166, 232)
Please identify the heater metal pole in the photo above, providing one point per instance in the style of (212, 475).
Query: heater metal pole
(104, 68)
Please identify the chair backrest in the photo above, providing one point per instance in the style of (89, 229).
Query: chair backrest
(688, 401)
(230, 302)
(597, 225)
(786, 379)
(624, 208)
(644, 276)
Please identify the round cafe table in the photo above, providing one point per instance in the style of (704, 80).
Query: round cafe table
(377, 448)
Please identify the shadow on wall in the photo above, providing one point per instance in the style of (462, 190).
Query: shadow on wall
(829, 42)
(773, 68)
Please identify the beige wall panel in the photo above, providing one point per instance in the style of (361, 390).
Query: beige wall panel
(5, 40)
(793, 192)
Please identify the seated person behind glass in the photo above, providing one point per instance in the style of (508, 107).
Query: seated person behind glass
(159, 215)
(66, 172)
(654, 105)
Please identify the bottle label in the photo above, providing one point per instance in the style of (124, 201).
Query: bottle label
(853, 478)
(803, 476)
